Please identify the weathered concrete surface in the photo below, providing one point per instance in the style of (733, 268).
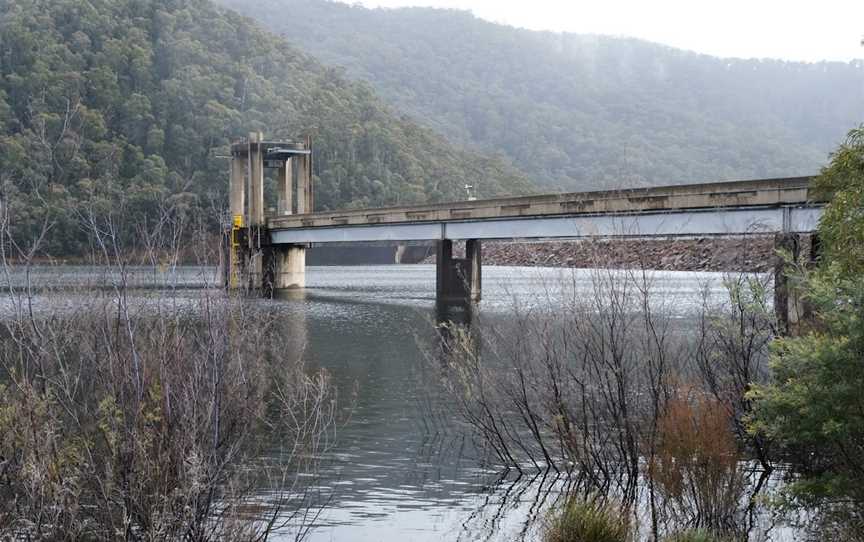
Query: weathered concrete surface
(290, 270)
(736, 194)
(457, 279)
(255, 214)
(285, 189)
(473, 257)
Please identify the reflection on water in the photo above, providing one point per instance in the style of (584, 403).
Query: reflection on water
(402, 469)
(94, 277)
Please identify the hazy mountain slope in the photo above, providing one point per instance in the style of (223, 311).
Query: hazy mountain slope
(135, 100)
(583, 110)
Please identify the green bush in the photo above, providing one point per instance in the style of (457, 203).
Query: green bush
(695, 536)
(814, 408)
(583, 521)
(842, 225)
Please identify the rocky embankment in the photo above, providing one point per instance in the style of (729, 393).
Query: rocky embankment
(752, 253)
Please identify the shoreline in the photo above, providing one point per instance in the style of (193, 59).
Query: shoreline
(750, 254)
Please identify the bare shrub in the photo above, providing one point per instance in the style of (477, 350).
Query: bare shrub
(151, 417)
(574, 389)
(733, 350)
(586, 379)
(697, 467)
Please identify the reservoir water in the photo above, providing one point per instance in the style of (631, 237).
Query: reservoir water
(402, 469)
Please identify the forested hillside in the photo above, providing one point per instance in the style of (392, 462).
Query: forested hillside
(583, 111)
(136, 100)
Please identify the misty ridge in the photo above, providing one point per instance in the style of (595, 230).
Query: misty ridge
(136, 101)
(578, 112)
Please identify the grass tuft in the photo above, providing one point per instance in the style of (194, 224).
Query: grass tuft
(695, 536)
(583, 521)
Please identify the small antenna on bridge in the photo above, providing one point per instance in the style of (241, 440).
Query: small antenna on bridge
(468, 189)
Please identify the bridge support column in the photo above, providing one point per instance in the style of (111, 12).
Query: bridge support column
(256, 180)
(458, 280)
(787, 306)
(287, 269)
(255, 215)
(234, 260)
(285, 189)
(814, 256)
(305, 194)
(475, 268)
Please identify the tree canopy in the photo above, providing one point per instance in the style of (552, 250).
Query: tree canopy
(102, 99)
(842, 226)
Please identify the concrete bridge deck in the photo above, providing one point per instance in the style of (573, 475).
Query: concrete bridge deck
(727, 208)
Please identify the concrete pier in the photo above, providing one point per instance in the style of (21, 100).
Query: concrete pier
(305, 202)
(255, 212)
(474, 262)
(786, 301)
(794, 251)
(290, 267)
(285, 187)
(284, 269)
(237, 185)
(458, 280)
(256, 180)
(234, 259)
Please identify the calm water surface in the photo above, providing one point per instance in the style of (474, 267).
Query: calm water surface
(400, 473)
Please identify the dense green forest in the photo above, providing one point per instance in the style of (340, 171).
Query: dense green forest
(581, 111)
(136, 100)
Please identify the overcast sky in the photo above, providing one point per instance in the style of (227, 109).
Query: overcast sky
(789, 29)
